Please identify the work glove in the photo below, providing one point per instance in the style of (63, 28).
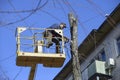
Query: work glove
(66, 40)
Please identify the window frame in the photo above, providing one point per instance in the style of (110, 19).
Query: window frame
(103, 55)
(99, 56)
(118, 46)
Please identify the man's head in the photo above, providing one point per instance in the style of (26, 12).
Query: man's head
(62, 25)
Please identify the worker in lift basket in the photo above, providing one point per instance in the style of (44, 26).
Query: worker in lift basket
(53, 37)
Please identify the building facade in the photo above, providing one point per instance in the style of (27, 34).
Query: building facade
(99, 52)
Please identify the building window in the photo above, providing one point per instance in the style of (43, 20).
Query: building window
(118, 45)
(101, 56)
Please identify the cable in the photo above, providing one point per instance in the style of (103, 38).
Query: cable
(7, 58)
(51, 15)
(7, 78)
(10, 23)
(101, 12)
(20, 70)
(69, 6)
(78, 18)
(37, 8)
(15, 9)
(54, 3)
(11, 5)
(24, 11)
(98, 9)
(61, 6)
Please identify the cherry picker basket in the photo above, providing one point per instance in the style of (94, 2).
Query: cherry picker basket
(38, 53)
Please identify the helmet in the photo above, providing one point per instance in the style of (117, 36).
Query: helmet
(62, 25)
